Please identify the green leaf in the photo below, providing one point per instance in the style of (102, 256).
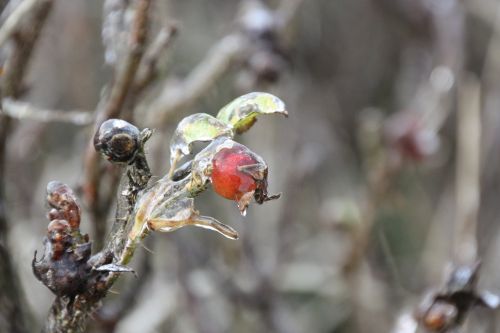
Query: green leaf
(199, 127)
(242, 113)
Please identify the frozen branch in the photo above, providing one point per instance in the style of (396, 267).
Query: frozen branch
(23, 110)
(111, 108)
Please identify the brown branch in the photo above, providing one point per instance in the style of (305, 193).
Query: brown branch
(112, 108)
(24, 27)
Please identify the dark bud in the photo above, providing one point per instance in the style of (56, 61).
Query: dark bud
(118, 141)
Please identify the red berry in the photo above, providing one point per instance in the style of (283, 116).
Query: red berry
(227, 178)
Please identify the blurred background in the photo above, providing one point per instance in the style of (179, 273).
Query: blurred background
(367, 159)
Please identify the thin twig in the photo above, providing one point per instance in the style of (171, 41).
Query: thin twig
(468, 171)
(15, 19)
(148, 70)
(24, 110)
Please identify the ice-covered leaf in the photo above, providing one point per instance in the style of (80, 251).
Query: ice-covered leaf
(242, 113)
(201, 168)
(184, 214)
(161, 196)
(168, 206)
(199, 127)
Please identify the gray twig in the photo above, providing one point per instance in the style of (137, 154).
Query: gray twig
(23, 110)
(468, 171)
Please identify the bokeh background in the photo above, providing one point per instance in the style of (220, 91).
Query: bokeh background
(367, 163)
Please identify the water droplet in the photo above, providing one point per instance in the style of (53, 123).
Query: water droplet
(243, 212)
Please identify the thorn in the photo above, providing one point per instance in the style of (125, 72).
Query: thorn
(146, 248)
(273, 197)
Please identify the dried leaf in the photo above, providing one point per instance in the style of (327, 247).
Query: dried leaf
(242, 113)
(199, 127)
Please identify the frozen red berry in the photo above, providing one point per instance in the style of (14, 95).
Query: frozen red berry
(229, 178)
(241, 175)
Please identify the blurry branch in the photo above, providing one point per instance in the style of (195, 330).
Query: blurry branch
(23, 41)
(15, 19)
(32, 15)
(483, 10)
(287, 12)
(489, 76)
(468, 171)
(126, 72)
(230, 50)
(13, 313)
(23, 110)
(446, 309)
(111, 108)
(180, 95)
(379, 174)
(148, 70)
